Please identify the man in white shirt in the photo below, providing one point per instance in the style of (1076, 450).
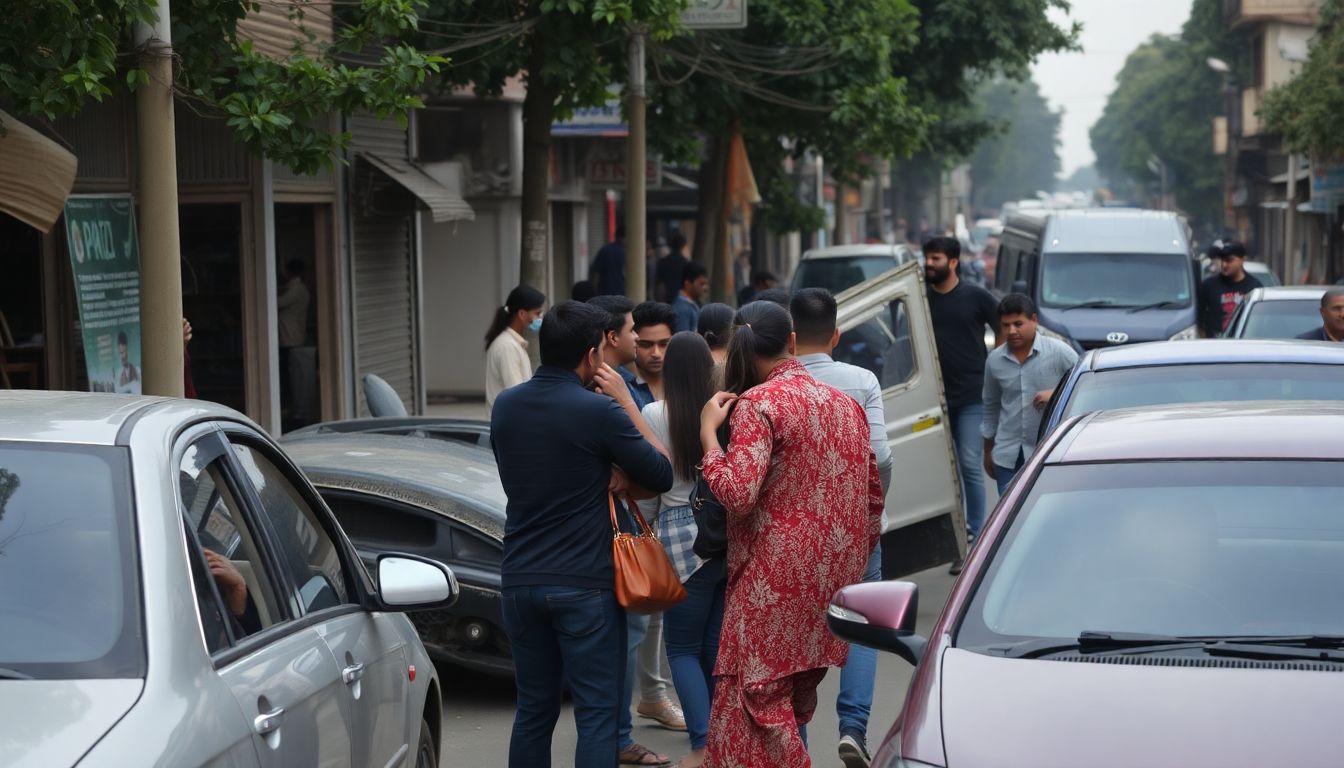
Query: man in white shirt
(814, 325)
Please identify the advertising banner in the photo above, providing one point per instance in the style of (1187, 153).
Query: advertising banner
(105, 260)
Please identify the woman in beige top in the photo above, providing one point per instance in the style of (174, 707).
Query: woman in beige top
(506, 361)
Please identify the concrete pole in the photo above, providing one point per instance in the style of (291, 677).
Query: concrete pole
(160, 254)
(635, 271)
(1290, 265)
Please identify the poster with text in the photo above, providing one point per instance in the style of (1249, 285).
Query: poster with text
(105, 260)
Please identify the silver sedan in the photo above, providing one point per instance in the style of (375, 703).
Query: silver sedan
(173, 592)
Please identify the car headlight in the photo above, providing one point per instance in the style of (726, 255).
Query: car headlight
(1187, 334)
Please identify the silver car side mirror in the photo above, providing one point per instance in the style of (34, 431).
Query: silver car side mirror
(407, 582)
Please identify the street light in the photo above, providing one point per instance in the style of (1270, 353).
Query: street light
(1218, 65)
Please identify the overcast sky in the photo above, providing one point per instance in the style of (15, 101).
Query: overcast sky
(1078, 83)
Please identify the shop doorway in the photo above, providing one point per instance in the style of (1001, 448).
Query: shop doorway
(22, 329)
(301, 242)
(212, 300)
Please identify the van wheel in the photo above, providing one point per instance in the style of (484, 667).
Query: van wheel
(425, 756)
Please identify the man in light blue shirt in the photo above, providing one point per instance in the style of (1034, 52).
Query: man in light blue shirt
(1020, 377)
(694, 286)
(814, 326)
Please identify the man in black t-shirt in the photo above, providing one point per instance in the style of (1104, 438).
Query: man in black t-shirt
(960, 313)
(1221, 294)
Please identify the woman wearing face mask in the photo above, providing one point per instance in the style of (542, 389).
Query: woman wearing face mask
(800, 486)
(506, 361)
(690, 628)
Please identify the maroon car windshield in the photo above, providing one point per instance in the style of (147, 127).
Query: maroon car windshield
(1185, 548)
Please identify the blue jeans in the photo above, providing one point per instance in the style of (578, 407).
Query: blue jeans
(636, 627)
(564, 635)
(970, 461)
(691, 630)
(855, 701)
(1004, 475)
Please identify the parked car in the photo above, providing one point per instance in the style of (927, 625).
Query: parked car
(885, 327)
(1149, 575)
(176, 593)
(844, 266)
(469, 431)
(1204, 370)
(1102, 277)
(1277, 313)
(436, 498)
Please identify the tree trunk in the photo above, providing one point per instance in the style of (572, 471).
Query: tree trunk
(711, 221)
(538, 111)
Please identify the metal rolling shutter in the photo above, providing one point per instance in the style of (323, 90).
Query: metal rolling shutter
(383, 270)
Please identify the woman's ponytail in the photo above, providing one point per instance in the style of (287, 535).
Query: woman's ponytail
(522, 298)
(760, 332)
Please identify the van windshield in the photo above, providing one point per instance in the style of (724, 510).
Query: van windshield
(1122, 280)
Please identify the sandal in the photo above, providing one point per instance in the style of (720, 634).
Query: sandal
(638, 754)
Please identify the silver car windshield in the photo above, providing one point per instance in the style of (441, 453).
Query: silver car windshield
(69, 603)
(1282, 319)
(1230, 382)
(1178, 548)
(1121, 280)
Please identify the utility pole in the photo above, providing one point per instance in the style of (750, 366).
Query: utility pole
(635, 184)
(1290, 266)
(160, 245)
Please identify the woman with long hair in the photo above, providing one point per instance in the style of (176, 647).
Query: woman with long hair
(800, 486)
(506, 361)
(716, 325)
(691, 628)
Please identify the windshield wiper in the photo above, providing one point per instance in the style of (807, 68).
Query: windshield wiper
(1095, 304)
(1096, 642)
(1169, 304)
(13, 674)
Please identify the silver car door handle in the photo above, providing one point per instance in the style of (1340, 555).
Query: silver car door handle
(352, 673)
(268, 722)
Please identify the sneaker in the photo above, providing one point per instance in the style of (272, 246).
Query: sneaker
(956, 567)
(853, 750)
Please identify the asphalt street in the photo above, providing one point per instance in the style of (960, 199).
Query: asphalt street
(478, 710)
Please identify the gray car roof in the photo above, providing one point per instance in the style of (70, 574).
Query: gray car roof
(90, 418)
(1228, 431)
(1100, 230)
(1289, 292)
(455, 480)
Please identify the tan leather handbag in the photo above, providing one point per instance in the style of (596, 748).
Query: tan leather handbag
(646, 582)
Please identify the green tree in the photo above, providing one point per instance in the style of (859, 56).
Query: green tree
(1021, 156)
(1309, 109)
(57, 54)
(1163, 106)
(570, 51)
(788, 84)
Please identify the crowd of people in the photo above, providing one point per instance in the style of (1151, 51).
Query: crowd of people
(652, 401)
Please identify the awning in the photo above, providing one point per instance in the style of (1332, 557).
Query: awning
(443, 203)
(36, 174)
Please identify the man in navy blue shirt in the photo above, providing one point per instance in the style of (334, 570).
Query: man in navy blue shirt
(1332, 318)
(556, 444)
(607, 274)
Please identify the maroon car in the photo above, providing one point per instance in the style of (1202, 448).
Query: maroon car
(1159, 587)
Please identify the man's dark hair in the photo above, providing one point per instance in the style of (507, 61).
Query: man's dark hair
(569, 331)
(582, 291)
(774, 296)
(1016, 304)
(693, 271)
(813, 311)
(761, 279)
(948, 246)
(616, 306)
(294, 267)
(1331, 295)
(676, 241)
(122, 342)
(655, 313)
(1232, 248)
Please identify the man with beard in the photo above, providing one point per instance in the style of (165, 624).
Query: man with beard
(960, 313)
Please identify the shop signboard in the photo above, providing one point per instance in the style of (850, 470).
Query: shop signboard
(1327, 185)
(105, 261)
(715, 14)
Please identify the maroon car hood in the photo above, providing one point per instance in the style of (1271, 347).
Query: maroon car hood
(1042, 714)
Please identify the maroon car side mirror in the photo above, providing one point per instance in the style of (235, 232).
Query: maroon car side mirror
(879, 614)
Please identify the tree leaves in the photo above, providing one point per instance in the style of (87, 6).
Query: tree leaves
(1309, 109)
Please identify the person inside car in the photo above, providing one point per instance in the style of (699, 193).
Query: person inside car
(1332, 318)
(233, 589)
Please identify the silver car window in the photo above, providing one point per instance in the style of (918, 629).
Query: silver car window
(228, 550)
(309, 556)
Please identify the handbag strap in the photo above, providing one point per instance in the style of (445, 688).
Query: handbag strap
(644, 529)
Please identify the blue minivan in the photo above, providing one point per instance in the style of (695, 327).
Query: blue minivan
(1103, 277)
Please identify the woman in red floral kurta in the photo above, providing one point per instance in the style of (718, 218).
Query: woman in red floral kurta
(800, 485)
